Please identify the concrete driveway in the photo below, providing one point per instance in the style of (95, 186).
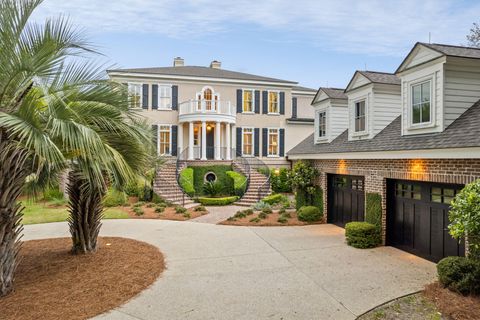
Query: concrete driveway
(226, 272)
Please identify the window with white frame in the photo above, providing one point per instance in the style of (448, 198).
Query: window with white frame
(135, 95)
(273, 142)
(248, 98)
(164, 139)
(164, 97)
(322, 124)
(360, 116)
(247, 141)
(421, 106)
(273, 102)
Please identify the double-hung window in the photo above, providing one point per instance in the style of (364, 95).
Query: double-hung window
(164, 140)
(248, 98)
(135, 95)
(247, 147)
(273, 102)
(421, 106)
(360, 116)
(273, 142)
(164, 97)
(322, 124)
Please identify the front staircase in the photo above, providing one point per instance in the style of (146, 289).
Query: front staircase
(258, 188)
(166, 185)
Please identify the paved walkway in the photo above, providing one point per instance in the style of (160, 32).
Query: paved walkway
(225, 272)
(218, 214)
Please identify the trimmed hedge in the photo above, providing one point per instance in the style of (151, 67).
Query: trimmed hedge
(239, 182)
(460, 274)
(222, 178)
(186, 181)
(310, 214)
(217, 201)
(302, 198)
(373, 209)
(114, 198)
(361, 235)
(274, 199)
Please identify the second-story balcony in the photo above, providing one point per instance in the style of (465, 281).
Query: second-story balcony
(206, 110)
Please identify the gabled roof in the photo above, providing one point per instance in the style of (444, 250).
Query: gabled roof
(202, 72)
(300, 88)
(444, 50)
(464, 132)
(332, 93)
(375, 77)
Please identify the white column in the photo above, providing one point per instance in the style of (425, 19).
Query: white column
(228, 140)
(204, 140)
(190, 141)
(218, 126)
(180, 139)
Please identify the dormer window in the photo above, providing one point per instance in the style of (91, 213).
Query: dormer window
(421, 103)
(322, 124)
(360, 116)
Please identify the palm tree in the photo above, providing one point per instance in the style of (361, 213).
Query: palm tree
(57, 111)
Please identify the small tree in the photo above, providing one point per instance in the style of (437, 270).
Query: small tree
(474, 36)
(465, 217)
(302, 179)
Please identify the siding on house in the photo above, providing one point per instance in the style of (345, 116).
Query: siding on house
(422, 55)
(337, 118)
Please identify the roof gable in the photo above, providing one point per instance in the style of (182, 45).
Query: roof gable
(419, 54)
(358, 80)
(329, 93)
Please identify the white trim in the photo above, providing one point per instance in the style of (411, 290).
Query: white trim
(268, 142)
(451, 153)
(319, 138)
(412, 126)
(159, 108)
(253, 142)
(278, 103)
(253, 101)
(170, 138)
(141, 94)
(202, 79)
(365, 131)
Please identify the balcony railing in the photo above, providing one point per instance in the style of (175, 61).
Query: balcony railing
(206, 107)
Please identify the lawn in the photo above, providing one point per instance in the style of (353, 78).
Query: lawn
(43, 212)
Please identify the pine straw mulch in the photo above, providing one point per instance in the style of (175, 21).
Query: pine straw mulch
(168, 214)
(270, 221)
(51, 283)
(453, 305)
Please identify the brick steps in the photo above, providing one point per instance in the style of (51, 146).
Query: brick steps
(166, 186)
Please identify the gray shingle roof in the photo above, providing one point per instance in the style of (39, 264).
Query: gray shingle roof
(462, 133)
(334, 93)
(381, 77)
(204, 72)
(300, 88)
(456, 51)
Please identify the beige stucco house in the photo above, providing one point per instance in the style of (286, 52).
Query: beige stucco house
(209, 113)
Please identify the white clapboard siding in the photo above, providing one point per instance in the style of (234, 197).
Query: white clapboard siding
(387, 107)
(422, 55)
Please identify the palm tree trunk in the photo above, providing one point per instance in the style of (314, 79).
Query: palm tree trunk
(85, 204)
(12, 179)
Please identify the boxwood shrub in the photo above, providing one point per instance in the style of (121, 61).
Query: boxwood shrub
(222, 178)
(309, 214)
(460, 274)
(186, 181)
(239, 182)
(217, 201)
(274, 199)
(114, 198)
(373, 209)
(361, 235)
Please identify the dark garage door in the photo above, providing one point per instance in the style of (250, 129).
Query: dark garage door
(417, 219)
(346, 199)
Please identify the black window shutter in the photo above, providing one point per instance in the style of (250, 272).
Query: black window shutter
(239, 101)
(265, 142)
(257, 101)
(282, 142)
(145, 96)
(174, 97)
(239, 141)
(155, 137)
(294, 107)
(155, 96)
(282, 102)
(265, 102)
(174, 140)
(257, 142)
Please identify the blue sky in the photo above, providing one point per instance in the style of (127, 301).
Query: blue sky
(316, 43)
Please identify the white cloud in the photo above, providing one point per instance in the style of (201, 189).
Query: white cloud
(359, 26)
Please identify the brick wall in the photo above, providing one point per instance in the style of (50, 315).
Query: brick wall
(377, 171)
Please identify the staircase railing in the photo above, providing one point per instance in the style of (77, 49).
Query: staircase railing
(181, 159)
(244, 167)
(261, 167)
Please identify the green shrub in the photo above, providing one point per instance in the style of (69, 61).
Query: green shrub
(274, 199)
(138, 204)
(200, 208)
(240, 214)
(310, 214)
(212, 189)
(180, 209)
(282, 211)
(138, 211)
(157, 199)
(239, 182)
(146, 194)
(149, 205)
(280, 182)
(217, 201)
(373, 209)
(361, 235)
(222, 178)
(255, 220)
(287, 215)
(317, 198)
(133, 189)
(260, 205)
(52, 193)
(248, 212)
(231, 219)
(186, 181)
(460, 274)
(169, 203)
(282, 219)
(187, 215)
(114, 198)
(300, 199)
(303, 176)
(262, 215)
(464, 217)
(159, 209)
(267, 210)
